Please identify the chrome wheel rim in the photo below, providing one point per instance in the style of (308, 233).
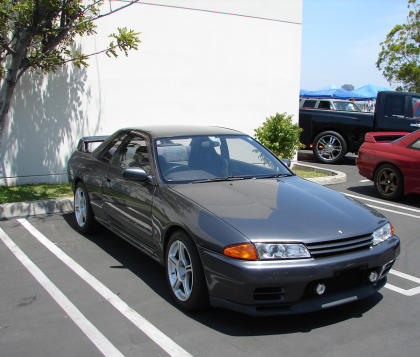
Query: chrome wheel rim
(329, 147)
(387, 181)
(80, 210)
(180, 270)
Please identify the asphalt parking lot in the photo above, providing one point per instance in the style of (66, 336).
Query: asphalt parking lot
(65, 294)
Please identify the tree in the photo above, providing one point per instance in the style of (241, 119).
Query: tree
(399, 56)
(40, 35)
(280, 135)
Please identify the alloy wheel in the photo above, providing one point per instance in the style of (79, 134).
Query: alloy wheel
(80, 206)
(387, 181)
(180, 270)
(329, 147)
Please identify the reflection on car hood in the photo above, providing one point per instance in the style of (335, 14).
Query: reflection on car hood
(286, 209)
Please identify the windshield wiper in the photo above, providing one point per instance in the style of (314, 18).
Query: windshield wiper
(272, 176)
(226, 178)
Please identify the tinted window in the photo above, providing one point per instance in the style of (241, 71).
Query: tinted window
(394, 105)
(309, 104)
(200, 158)
(415, 145)
(112, 148)
(324, 104)
(416, 107)
(133, 154)
(347, 106)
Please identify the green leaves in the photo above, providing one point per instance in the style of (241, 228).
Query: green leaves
(125, 40)
(51, 29)
(399, 58)
(41, 35)
(280, 135)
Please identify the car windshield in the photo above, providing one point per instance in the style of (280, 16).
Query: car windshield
(215, 158)
(348, 106)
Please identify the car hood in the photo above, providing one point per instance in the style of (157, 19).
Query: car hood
(284, 209)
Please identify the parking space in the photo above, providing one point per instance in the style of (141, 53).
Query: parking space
(110, 299)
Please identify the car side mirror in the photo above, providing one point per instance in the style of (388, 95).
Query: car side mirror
(136, 174)
(287, 162)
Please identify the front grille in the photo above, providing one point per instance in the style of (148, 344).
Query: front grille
(339, 246)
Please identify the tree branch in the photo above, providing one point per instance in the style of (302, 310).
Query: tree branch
(6, 47)
(103, 15)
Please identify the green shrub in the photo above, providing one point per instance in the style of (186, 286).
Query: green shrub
(279, 134)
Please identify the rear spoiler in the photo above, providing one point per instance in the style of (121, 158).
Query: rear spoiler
(384, 136)
(89, 143)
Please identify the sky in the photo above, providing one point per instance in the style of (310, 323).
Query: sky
(340, 40)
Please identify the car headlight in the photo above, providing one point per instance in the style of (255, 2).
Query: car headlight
(268, 251)
(383, 233)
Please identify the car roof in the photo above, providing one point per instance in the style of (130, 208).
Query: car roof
(161, 131)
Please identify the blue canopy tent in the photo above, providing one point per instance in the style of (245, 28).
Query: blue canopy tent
(367, 92)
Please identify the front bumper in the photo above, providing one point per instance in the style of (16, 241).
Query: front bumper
(287, 287)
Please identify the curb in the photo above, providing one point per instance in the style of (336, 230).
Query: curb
(34, 208)
(65, 205)
(334, 177)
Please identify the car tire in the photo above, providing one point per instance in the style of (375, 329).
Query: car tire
(184, 273)
(329, 147)
(389, 181)
(85, 220)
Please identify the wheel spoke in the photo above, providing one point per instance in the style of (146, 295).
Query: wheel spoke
(184, 255)
(188, 284)
(173, 260)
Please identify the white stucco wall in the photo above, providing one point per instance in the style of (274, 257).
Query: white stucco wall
(207, 62)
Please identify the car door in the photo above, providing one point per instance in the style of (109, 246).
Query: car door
(97, 170)
(413, 167)
(399, 113)
(128, 203)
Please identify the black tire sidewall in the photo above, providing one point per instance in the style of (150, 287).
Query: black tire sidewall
(198, 299)
(400, 184)
(339, 138)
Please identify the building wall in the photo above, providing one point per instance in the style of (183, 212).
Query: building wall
(208, 62)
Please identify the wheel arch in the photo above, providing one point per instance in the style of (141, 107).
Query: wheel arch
(167, 235)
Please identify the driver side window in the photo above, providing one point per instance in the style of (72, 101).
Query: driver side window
(134, 153)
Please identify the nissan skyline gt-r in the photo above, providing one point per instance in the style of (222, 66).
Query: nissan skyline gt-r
(394, 166)
(232, 224)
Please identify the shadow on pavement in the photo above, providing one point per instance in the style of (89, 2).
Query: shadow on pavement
(131, 258)
(224, 321)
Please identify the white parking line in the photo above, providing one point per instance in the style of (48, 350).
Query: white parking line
(163, 341)
(405, 276)
(393, 211)
(406, 292)
(364, 181)
(382, 202)
(94, 335)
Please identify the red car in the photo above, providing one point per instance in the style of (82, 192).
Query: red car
(394, 166)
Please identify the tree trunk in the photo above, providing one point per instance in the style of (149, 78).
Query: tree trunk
(12, 76)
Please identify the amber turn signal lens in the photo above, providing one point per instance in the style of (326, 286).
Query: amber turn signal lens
(244, 251)
(392, 228)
